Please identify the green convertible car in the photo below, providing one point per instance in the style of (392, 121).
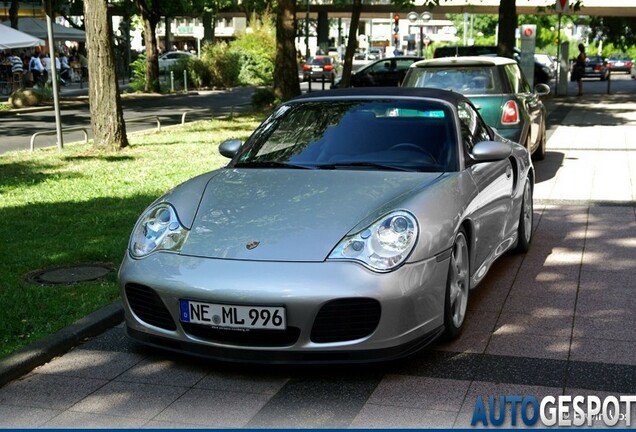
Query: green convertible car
(497, 87)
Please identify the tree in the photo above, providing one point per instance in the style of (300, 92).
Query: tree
(507, 28)
(356, 10)
(619, 31)
(286, 83)
(13, 13)
(107, 118)
(150, 12)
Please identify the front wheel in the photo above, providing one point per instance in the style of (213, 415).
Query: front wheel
(526, 219)
(457, 287)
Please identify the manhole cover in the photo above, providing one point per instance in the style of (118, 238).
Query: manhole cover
(70, 274)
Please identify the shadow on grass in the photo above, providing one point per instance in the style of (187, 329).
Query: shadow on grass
(105, 158)
(22, 173)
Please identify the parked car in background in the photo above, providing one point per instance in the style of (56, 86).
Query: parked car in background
(596, 67)
(350, 227)
(619, 63)
(320, 68)
(375, 53)
(542, 73)
(387, 72)
(497, 86)
(171, 58)
(547, 64)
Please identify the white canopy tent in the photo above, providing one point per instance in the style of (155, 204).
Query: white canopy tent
(11, 38)
(37, 28)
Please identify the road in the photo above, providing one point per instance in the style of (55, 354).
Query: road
(16, 130)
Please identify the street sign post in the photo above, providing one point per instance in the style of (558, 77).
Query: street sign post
(562, 6)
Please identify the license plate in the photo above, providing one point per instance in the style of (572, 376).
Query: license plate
(316, 68)
(588, 69)
(233, 316)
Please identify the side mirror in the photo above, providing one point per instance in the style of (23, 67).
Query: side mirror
(229, 148)
(542, 89)
(490, 151)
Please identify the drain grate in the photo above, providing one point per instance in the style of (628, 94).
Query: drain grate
(70, 274)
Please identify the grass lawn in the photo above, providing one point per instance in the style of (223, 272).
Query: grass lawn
(79, 206)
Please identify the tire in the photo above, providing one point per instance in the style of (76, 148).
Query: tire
(526, 219)
(539, 153)
(457, 287)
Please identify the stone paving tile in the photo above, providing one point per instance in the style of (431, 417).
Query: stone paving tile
(374, 416)
(90, 364)
(419, 392)
(143, 401)
(478, 327)
(551, 305)
(48, 391)
(78, 420)
(160, 371)
(517, 323)
(529, 345)
(603, 351)
(214, 408)
(611, 329)
(248, 383)
(13, 417)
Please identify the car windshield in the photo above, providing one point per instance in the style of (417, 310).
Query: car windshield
(379, 135)
(320, 60)
(462, 79)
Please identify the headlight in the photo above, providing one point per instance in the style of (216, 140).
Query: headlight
(382, 246)
(157, 229)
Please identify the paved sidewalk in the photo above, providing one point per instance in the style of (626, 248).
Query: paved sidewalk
(560, 320)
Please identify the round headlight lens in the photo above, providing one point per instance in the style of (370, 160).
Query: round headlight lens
(157, 229)
(382, 246)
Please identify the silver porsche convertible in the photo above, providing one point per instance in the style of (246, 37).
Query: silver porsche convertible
(350, 227)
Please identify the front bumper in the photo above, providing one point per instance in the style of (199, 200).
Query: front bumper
(410, 299)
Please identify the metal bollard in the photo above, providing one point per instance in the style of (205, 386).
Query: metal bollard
(609, 81)
(185, 81)
(172, 81)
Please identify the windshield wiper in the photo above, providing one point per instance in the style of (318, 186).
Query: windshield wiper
(270, 164)
(376, 165)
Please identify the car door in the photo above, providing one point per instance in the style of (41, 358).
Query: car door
(495, 183)
(530, 105)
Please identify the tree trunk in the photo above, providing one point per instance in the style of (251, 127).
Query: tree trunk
(208, 26)
(107, 118)
(152, 56)
(286, 83)
(352, 43)
(150, 16)
(167, 40)
(13, 13)
(507, 28)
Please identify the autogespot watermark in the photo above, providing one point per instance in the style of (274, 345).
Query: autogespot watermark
(553, 411)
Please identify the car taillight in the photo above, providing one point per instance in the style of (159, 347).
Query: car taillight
(597, 67)
(306, 67)
(510, 113)
(628, 64)
(328, 67)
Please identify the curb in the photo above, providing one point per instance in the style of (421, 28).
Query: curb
(40, 352)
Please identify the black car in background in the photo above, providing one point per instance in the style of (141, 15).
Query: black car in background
(320, 68)
(386, 72)
(596, 67)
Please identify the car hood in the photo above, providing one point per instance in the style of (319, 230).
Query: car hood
(292, 215)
